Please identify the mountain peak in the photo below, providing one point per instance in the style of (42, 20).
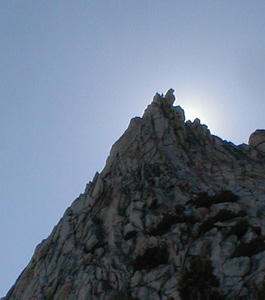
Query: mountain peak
(174, 207)
(169, 98)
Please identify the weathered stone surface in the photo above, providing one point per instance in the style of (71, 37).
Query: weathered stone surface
(239, 266)
(160, 201)
(169, 97)
(257, 140)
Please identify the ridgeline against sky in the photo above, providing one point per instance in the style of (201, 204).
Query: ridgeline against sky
(74, 73)
(175, 212)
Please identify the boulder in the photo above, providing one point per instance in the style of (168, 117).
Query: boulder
(257, 140)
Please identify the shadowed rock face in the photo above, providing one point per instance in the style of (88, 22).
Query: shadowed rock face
(170, 191)
(257, 140)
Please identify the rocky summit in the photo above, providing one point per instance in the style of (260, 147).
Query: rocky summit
(177, 213)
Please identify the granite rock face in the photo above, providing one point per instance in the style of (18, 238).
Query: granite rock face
(257, 140)
(170, 192)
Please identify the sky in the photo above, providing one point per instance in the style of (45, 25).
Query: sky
(73, 74)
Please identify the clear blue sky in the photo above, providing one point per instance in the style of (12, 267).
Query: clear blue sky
(73, 73)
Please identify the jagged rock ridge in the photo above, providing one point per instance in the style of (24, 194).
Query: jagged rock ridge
(171, 196)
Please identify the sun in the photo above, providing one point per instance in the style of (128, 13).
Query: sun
(193, 112)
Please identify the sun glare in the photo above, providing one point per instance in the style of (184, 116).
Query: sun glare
(206, 116)
(191, 113)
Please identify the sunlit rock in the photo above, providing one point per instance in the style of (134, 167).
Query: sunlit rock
(170, 192)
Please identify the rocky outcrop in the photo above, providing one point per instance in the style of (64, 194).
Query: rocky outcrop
(257, 140)
(174, 204)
